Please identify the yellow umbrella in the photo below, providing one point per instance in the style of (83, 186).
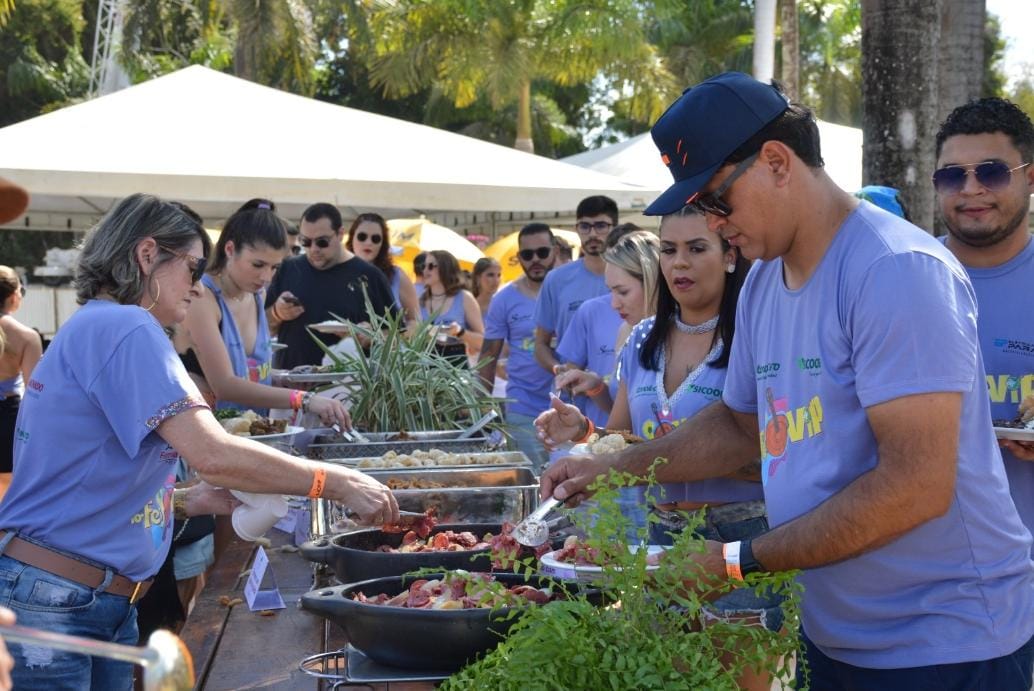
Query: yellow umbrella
(504, 250)
(411, 236)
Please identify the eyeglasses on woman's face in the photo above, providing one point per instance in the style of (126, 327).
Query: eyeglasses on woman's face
(540, 252)
(429, 266)
(323, 241)
(363, 237)
(195, 264)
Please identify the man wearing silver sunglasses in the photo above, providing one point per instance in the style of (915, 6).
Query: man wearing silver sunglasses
(984, 180)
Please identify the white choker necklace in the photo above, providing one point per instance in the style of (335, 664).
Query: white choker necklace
(706, 327)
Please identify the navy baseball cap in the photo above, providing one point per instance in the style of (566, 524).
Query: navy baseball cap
(704, 126)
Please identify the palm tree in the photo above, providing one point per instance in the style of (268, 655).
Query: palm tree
(961, 58)
(468, 47)
(791, 49)
(899, 96)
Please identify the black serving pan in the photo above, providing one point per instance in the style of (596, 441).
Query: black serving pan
(352, 556)
(420, 638)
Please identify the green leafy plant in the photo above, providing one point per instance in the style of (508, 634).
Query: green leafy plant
(401, 383)
(652, 637)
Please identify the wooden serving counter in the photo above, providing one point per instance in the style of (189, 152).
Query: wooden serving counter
(235, 648)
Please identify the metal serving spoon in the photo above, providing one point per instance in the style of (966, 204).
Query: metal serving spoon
(533, 530)
(166, 660)
(473, 429)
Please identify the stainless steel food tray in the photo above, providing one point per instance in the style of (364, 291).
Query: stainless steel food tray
(325, 447)
(471, 494)
(488, 459)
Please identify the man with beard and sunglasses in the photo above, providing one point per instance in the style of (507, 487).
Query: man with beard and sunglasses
(327, 280)
(856, 387)
(984, 180)
(511, 320)
(570, 285)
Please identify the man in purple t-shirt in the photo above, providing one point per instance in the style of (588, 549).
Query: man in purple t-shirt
(511, 320)
(856, 388)
(984, 180)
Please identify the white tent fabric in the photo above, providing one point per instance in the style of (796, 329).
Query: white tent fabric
(213, 141)
(636, 160)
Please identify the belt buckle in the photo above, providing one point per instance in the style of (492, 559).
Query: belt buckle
(136, 591)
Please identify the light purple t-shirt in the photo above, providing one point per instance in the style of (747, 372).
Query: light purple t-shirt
(888, 313)
(589, 344)
(91, 475)
(511, 318)
(563, 291)
(1005, 295)
(648, 415)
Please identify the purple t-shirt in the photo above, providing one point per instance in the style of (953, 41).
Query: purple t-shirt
(1005, 296)
(589, 344)
(511, 318)
(563, 291)
(91, 475)
(648, 414)
(888, 313)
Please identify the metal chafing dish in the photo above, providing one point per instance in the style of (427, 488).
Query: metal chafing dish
(469, 494)
(488, 459)
(332, 446)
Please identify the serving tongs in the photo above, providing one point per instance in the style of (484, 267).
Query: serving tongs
(166, 660)
(407, 519)
(534, 530)
(476, 427)
(349, 435)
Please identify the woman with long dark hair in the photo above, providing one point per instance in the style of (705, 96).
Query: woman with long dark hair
(20, 350)
(445, 302)
(368, 239)
(224, 341)
(485, 280)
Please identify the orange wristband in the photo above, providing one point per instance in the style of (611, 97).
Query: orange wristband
(297, 396)
(596, 390)
(588, 432)
(319, 479)
(731, 554)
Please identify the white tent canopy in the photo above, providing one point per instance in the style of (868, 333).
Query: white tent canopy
(213, 141)
(637, 161)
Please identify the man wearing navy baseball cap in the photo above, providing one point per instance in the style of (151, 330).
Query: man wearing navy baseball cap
(856, 362)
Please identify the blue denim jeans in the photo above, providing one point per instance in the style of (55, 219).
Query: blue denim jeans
(1007, 673)
(43, 600)
(729, 523)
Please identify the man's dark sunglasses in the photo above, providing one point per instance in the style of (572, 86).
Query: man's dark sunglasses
(323, 242)
(363, 237)
(712, 203)
(540, 252)
(994, 175)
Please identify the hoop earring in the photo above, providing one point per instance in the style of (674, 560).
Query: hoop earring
(155, 298)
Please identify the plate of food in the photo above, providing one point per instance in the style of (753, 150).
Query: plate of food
(248, 423)
(578, 561)
(331, 326)
(1021, 427)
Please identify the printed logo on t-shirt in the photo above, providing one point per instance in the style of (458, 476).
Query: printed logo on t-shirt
(783, 426)
(1010, 345)
(528, 344)
(258, 371)
(767, 371)
(573, 306)
(157, 513)
(811, 365)
(34, 386)
(1008, 388)
(606, 350)
(21, 435)
(169, 455)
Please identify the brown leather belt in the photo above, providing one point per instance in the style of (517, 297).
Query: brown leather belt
(73, 569)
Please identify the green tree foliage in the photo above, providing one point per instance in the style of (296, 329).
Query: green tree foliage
(6, 7)
(1023, 92)
(469, 48)
(41, 63)
(831, 59)
(267, 41)
(994, 55)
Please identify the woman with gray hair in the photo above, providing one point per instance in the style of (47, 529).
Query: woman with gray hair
(108, 412)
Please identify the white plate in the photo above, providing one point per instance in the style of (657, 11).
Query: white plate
(551, 566)
(286, 435)
(331, 326)
(1014, 433)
